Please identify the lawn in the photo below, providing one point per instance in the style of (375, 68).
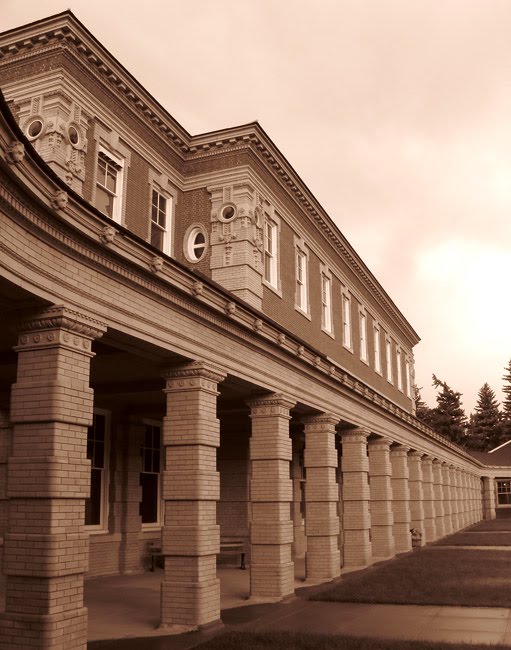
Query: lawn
(286, 640)
(431, 576)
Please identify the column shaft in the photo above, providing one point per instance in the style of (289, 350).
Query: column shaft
(382, 519)
(401, 498)
(439, 498)
(323, 560)
(416, 485)
(190, 591)
(446, 493)
(299, 539)
(46, 546)
(272, 568)
(429, 500)
(356, 519)
(488, 497)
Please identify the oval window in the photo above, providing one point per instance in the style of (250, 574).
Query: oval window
(227, 213)
(73, 135)
(34, 129)
(196, 244)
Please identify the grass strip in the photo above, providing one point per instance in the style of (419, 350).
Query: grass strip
(434, 576)
(299, 641)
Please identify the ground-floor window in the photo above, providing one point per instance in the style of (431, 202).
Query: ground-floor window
(504, 492)
(150, 475)
(97, 442)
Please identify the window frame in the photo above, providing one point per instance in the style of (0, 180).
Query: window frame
(499, 492)
(378, 368)
(388, 360)
(347, 330)
(117, 197)
(408, 376)
(159, 499)
(326, 301)
(167, 231)
(362, 331)
(399, 368)
(302, 278)
(102, 527)
(271, 257)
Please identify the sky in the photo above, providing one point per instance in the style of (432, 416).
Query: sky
(395, 113)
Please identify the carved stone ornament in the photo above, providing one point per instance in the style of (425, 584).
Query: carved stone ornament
(230, 308)
(197, 288)
(258, 324)
(331, 370)
(108, 234)
(156, 264)
(59, 200)
(317, 361)
(60, 317)
(15, 152)
(300, 350)
(281, 338)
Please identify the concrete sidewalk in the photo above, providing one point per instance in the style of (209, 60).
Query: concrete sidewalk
(124, 612)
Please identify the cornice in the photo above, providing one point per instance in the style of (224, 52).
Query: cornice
(67, 32)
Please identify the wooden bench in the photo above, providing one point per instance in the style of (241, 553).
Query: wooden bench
(233, 546)
(155, 554)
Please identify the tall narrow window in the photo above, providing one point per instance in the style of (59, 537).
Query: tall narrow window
(96, 453)
(346, 320)
(301, 281)
(399, 369)
(326, 303)
(377, 349)
(270, 252)
(408, 379)
(150, 475)
(159, 221)
(109, 184)
(363, 335)
(388, 355)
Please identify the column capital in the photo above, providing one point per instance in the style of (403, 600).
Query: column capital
(270, 405)
(55, 326)
(382, 442)
(399, 450)
(437, 462)
(415, 454)
(427, 460)
(197, 374)
(320, 420)
(360, 434)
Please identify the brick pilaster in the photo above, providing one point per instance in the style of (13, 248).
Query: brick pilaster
(439, 497)
(382, 519)
(446, 495)
(5, 452)
(430, 533)
(416, 485)
(455, 499)
(299, 540)
(401, 498)
(190, 591)
(488, 497)
(356, 518)
(271, 535)
(323, 559)
(48, 479)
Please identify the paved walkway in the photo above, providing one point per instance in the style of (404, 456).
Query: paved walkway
(128, 607)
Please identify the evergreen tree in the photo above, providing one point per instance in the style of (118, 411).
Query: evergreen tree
(422, 410)
(448, 417)
(506, 389)
(484, 428)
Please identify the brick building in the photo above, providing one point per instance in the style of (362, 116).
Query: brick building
(191, 351)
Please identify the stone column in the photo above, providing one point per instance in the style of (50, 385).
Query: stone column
(455, 504)
(382, 519)
(430, 533)
(480, 497)
(355, 494)
(439, 498)
(130, 521)
(5, 452)
(271, 535)
(323, 560)
(470, 499)
(446, 493)
(401, 498)
(466, 498)
(299, 543)
(489, 497)
(415, 483)
(190, 590)
(48, 480)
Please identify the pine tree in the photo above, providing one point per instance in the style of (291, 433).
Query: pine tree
(484, 428)
(448, 417)
(422, 410)
(506, 389)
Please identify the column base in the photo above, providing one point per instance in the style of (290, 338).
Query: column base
(64, 631)
(189, 605)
